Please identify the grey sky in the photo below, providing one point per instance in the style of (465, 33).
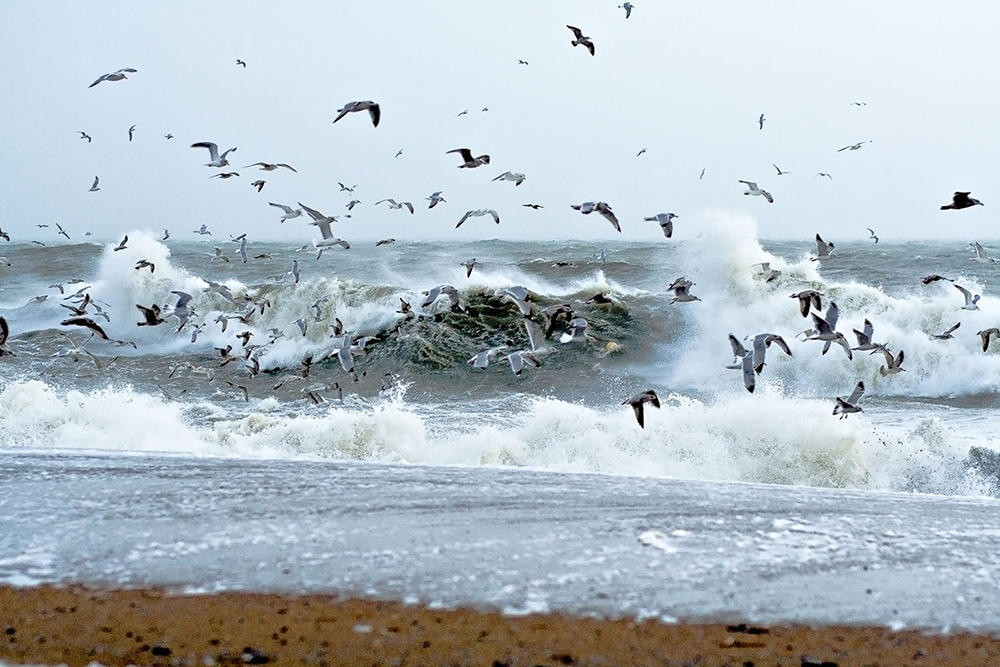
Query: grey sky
(686, 81)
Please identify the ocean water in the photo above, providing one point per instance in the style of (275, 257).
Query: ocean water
(413, 398)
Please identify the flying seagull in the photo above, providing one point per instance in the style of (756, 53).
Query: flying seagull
(927, 280)
(824, 250)
(131, 130)
(628, 7)
(580, 38)
(469, 162)
(435, 199)
(947, 334)
(511, 176)
(533, 206)
(271, 166)
(117, 75)
(372, 108)
(62, 231)
(469, 264)
(289, 211)
(893, 365)
(601, 207)
(84, 135)
(854, 147)
(823, 173)
(755, 191)
(225, 175)
(665, 220)
(985, 335)
(780, 172)
(121, 246)
(478, 212)
(970, 299)
(241, 63)
(850, 406)
(213, 151)
(259, 184)
(961, 200)
(760, 121)
(94, 188)
(864, 337)
(981, 253)
(872, 232)
(393, 204)
(638, 401)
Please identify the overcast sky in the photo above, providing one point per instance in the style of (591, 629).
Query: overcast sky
(686, 81)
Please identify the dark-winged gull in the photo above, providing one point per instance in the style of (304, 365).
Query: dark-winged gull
(215, 159)
(961, 200)
(824, 250)
(948, 334)
(373, 109)
(637, 403)
(893, 365)
(850, 406)
(665, 220)
(864, 337)
(468, 161)
(603, 208)
(580, 39)
(985, 335)
(117, 75)
(760, 344)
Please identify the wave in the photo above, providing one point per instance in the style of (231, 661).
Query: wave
(772, 439)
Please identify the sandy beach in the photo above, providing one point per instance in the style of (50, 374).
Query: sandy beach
(77, 626)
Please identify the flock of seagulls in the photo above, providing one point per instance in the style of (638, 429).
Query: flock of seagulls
(749, 360)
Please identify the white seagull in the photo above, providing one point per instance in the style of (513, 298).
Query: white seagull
(755, 191)
(970, 299)
(511, 176)
(289, 211)
(394, 204)
(603, 208)
(981, 254)
(479, 212)
(435, 199)
(850, 406)
(94, 188)
(213, 152)
(117, 75)
(665, 220)
(580, 38)
(824, 250)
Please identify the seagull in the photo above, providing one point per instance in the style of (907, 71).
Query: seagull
(553, 314)
(384, 242)
(435, 199)
(893, 365)
(824, 250)
(130, 131)
(344, 188)
(701, 175)
(372, 108)
(947, 334)
(84, 135)
(760, 121)
(739, 352)
(117, 75)
(981, 254)
(681, 294)
(469, 162)
(243, 249)
(61, 231)
(824, 331)
(351, 204)
(872, 232)
(289, 211)
(780, 172)
(519, 295)
(94, 188)
(927, 280)
(665, 221)
(168, 136)
(4, 235)
(641, 151)
(121, 246)
(151, 316)
(522, 62)
(961, 200)
(970, 300)
(323, 222)
(511, 176)
(753, 190)
(859, 104)
(268, 166)
(638, 401)
(533, 206)
(469, 264)
(853, 147)
(849, 406)
(577, 332)
(604, 209)
(520, 359)
(213, 152)
(760, 344)
(295, 269)
(984, 335)
(4, 333)
(865, 338)
(479, 212)
(462, 113)
(433, 293)
(580, 38)
(393, 204)
(823, 173)
(85, 322)
(628, 7)
(241, 63)
(145, 264)
(219, 254)
(203, 230)
(259, 184)
(763, 271)
(181, 310)
(483, 359)
(225, 175)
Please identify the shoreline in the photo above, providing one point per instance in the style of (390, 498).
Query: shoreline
(77, 625)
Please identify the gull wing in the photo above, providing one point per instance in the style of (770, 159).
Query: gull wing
(749, 377)
(213, 149)
(376, 113)
(535, 335)
(464, 218)
(738, 349)
(856, 395)
(779, 341)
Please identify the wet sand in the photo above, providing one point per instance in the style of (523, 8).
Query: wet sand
(76, 626)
